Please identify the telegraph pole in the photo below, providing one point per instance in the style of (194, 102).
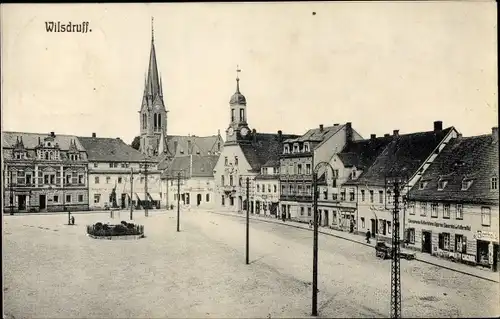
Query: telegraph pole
(315, 246)
(178, 199)
(131, 191)
(146, 202)
(11, 193)
(248, 222)
(396, 261)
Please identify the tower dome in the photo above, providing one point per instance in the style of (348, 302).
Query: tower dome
(237, 97)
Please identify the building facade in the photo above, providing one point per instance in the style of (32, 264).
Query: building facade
(189, 181)
(267, 190)
(299, 158)
(44, 172)
(116, 168)
(244, 153)
(453, 210)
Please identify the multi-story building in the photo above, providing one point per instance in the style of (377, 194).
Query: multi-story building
(453, 210)
(299, 158)
(337, 206)
(44, 172)
(114, 165)
(406, 157)
(244, 153)
(267, 189)
(190, 180)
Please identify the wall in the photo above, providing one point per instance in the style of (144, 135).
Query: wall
(191, 188)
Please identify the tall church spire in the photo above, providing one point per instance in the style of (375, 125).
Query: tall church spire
(153, 82)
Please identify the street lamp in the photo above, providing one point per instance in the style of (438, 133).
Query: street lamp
(315, 238)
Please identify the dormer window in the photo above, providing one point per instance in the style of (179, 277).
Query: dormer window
(466, 184)
(423, 185)
(494, 183)
(306, 147)
(286, 149)
(353, 174)
(296, 148)
(442, 184)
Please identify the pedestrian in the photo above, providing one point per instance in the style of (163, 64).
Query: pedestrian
(310, 224)
(72, 220)
(368, 235)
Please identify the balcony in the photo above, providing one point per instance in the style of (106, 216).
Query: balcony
(296, 154)
(296, 178)
(296, 198)
(229, 189)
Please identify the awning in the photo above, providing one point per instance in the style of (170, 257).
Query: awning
(140, 197)
(155, 196)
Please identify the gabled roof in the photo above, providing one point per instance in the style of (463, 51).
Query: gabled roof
(31, 140)
(401, 157)
(110, 150)
(361, 154)
(191, 166)
(464, 157)
(315, 134)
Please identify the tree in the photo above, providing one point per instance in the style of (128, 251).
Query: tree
(136, 143)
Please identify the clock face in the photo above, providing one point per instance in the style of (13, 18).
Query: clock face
(230, 131)
(244, 131)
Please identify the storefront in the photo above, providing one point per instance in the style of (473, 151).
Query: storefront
(487, 249)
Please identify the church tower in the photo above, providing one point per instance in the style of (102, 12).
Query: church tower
(238, 130)
(153, 114)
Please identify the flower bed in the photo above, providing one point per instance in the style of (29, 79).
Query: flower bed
(123, 229)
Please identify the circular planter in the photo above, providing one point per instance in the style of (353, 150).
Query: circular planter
(121, 231)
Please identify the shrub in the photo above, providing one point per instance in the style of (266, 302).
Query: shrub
(124, 223)
(130, 226)
(98, 226)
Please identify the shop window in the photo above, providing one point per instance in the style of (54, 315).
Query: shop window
(459, 212)
(434, 210)
(411, 235)
(444, 241)
(301, 211)
(461, 244)
(308, 211)
(446, 211)
(485, 216)
(362, 222)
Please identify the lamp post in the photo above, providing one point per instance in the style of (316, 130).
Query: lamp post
(248, 221)
(315, 237)
(178, 200)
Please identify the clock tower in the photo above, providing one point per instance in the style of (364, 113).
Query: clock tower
(238, 130)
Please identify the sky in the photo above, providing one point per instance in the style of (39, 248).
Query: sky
(380, 65)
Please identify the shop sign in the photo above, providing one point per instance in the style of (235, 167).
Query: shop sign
(470, 258)
(490, 253)
(436, 224)
(486, 236)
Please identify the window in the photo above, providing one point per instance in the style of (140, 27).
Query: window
(434, 210)
(466, 184)
(423, 209)
(108, 179)
(97, 198)
(236, 160)
(111, 165)
(342, 195)
(362, 222)
(351, 195)
(275, 188)
(258, 187)
(226, 162)
(353, 174)
(119, 180)
(80, 179)
(325, 194)
(268, 188)
(308, 189)
(363, 196)
(207, 198)
(283, 189)
(442, 184)
(242, 115)
(494, 183)
(223, 200)
(334, 196)
(231, 180)
(459, 213)
(80, 198)
(411, 235)
(485, 216)
(381, 197)
(446, 210)
(68, 198)
(96, 164)
(371, 196)
(299, 189)
(389, 197)
(286, 149)
(461, 244)
(141, 180)
(299, 169)
(388, 227)
(56, 199)
(422, 185)
(222, 180)
(308, 168)
(444, 241)
(290, 189)
(96, 180)
(306, 147)
(301, 211)
(296, 148)
(308, 211)
(411, 208)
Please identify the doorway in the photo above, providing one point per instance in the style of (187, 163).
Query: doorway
(124, 198)
(198, 200)
(21, 202)
(374, 228)
(326, 218)
(43, 202)
(426, 242)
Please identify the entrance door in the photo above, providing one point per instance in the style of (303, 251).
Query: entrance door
(124, 198)
(426, 242)
(21, 202)
(43, 202)
(373, 227)
(198, 199)
(326, 218)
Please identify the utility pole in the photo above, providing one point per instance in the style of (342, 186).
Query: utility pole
(248, 222)
(146, 202)
(396, 261)
(315, 246)
(178, 199)
(11, 193)
(131, 191)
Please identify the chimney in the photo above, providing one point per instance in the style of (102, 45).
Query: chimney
(459, 135)
(387, 135)
(280, 135)
(321, 127)
(52, 134)
(218, 132)
(395, 133)
(438, 126)
(336, 124)
(93, 135)
(348, 132)
(372, 136)
(494, 134)
(254, 135)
